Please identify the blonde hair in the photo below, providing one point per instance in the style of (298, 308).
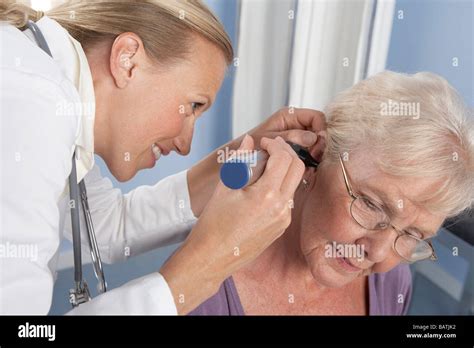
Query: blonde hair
(164, 26)
(435, 142)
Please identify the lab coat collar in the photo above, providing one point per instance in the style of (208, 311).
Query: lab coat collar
(70, 57)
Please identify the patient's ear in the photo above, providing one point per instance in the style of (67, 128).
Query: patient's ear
(309, 179)
(317, 150)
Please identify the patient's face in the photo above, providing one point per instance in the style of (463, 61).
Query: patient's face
(322, 215)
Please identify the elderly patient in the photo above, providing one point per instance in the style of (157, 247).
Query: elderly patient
(399, 159)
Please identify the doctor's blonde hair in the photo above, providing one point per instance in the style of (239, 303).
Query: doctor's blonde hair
(166, 27)
(437, 143)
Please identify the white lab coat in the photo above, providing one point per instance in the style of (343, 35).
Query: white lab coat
(38, 138)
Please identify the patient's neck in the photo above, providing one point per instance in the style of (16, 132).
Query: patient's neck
(284, 259)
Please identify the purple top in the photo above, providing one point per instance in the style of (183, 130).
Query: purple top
(384, 295)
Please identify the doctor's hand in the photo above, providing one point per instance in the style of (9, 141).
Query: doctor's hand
(299, 126)
(235, 227)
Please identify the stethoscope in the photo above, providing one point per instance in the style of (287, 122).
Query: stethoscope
(80, 293)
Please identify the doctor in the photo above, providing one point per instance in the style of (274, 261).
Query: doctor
(127, 82)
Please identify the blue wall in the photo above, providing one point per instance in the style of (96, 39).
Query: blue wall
(430, 34)
(428, 37)
(212, 130)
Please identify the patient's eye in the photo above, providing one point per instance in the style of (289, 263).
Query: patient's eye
(369, 204)
(382, 225)
(414, 233)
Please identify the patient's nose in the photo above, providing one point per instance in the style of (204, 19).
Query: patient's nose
(379, 246)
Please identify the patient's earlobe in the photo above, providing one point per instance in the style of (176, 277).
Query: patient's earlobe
(305, 183)
(309, 178)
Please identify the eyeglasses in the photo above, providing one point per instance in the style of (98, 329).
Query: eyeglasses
(371, 216)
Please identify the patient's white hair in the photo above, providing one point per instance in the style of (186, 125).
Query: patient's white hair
(437, 143)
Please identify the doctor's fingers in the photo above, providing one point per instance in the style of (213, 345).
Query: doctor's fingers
(309, 119)
(293, 178)
(301, 137)
(317, 150)
(282, 157)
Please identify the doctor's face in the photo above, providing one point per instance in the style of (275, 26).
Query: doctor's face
(141, 103)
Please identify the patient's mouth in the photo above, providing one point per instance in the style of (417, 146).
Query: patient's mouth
(347, 266)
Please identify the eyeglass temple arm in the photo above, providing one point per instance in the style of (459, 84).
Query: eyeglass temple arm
(346, 180)
(433, 257)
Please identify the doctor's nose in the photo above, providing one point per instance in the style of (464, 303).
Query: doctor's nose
(183, 147)
(182, 143)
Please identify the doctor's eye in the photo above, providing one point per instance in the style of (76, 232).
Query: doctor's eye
(196, 106)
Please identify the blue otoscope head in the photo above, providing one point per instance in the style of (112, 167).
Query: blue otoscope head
(236, 175)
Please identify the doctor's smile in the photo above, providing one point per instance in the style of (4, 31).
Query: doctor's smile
(331, 209)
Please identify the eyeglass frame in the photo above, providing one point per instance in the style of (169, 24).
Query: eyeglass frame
(400, 233)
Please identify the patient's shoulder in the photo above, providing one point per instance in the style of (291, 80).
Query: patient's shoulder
(390, 292)
(225, 302)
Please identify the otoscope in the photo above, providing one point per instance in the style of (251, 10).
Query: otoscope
(244, 169)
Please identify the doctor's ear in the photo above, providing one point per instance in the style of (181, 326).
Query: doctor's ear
(125, 55)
